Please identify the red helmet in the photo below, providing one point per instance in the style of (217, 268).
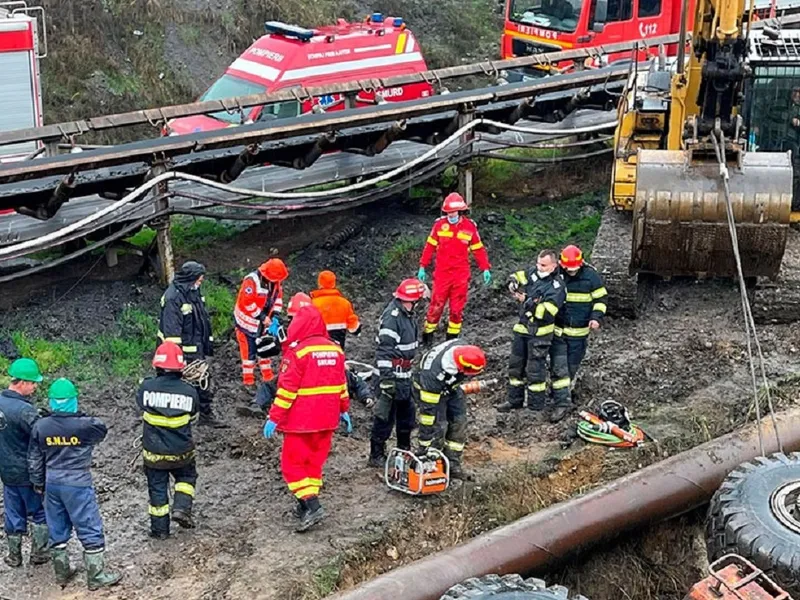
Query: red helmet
(410, 290)
(274, 270)
(169, 357)
(454, 202)
(470, 360)
(571, 257)
(298, 301)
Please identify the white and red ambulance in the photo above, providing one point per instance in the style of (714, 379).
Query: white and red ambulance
(290, 57)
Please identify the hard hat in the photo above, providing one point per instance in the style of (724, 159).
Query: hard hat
(327, 280)
(571, 257)
(410, 290)
(62, 389)
(470, 360)
(169, 357)
(25, 369)
(274, 270)
(298, 301)
(454, 202)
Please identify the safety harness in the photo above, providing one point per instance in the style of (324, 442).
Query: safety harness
(610, 427)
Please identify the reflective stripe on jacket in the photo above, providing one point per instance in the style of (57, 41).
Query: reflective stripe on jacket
(585, 301)
(256, 304)
(398, 340)
(452, 245)
(185, 320)
(543, 299)
(337, 311)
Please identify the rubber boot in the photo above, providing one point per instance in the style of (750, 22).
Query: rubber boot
(507, 407)
(313, 515)
(300, 508)
(404, 440)
(252, 410)
(183, 518)
(559, 412)
(209, 420)
(427, 338)
(96, 575)
(377, 454)
(14, 556)
(39, 538)
(451, 336)
(64, 572)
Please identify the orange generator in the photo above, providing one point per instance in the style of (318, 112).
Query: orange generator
(419, 476)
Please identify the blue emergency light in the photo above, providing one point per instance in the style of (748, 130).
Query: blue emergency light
(398, 21)
(377, 17)
(301, 33)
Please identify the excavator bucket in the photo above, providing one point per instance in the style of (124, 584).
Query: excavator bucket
(680, 225)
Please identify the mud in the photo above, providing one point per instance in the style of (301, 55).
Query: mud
(681, 368)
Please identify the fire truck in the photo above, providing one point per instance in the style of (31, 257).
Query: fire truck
(290, 57)
(537, 26)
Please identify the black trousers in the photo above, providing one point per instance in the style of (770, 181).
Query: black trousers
(560, 372)
(443, 422)
(528, 364)
(576, 351)
(158, 489)
(394, 410)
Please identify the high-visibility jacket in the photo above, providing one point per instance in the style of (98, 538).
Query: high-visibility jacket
(256, 303)
(544, 297)
(452, 245)
(169, 406)
(337, 311)
(586, 301)
(312, 383)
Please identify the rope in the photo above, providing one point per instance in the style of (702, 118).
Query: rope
(196, 374)
(749, 322)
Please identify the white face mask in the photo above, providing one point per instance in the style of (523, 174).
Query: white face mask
(543, 274)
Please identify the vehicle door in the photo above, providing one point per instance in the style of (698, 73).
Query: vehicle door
(612, 21)
(652, 20)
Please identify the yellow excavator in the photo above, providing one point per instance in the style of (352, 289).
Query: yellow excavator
(676, 126)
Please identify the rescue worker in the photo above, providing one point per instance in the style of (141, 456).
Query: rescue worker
(442, 403)
(258, 304)
(169, 406)
(310, 401)
(582, 312)
(452, 238)
(541, 293)
(185, 321)
(60, 461)
(337, 311)
(20, 500)
(398, 340)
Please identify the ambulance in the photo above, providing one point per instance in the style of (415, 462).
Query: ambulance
(291, 57)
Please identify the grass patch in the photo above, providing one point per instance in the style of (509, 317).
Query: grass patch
(554, 225)
(219, 302)
(397, 253)
(189, 234)
(494, 172)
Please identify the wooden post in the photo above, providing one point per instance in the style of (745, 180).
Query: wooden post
(465, 169)
(162, 226)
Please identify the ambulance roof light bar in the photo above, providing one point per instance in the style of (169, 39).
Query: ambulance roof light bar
(301, 33)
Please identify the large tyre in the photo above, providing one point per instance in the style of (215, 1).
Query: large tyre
(755, 514)
(508, 587)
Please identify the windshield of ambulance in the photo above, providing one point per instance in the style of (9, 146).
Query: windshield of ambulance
(558, 15)
(229, 86)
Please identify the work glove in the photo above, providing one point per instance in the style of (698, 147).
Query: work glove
(274, 327)
(487, 277)
(421, 274)
(269, 429)
(345, 418)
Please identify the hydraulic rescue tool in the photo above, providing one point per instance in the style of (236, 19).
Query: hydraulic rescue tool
(610, 427)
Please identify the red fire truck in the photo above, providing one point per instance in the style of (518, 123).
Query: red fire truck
(290, 57)
(536, 26)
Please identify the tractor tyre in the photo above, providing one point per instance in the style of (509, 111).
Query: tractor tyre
(756, 514)
(508, 587)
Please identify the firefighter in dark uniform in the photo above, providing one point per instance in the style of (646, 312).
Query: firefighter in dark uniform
(583, 312)
(398, 340)
(169, 406)
(185, 321)
(541, 294)
(441, 402)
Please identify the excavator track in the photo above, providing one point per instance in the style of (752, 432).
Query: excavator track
(611, 256)
(779, 301)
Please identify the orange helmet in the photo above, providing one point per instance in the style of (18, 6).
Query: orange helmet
(410, 290)
(454, 202)
(169, 357)
(298, 301)
(326, 280)
(470, 360)
(274, 270)
(571, 257)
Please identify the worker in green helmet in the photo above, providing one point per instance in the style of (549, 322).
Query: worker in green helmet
(60, 460)
(22, 504)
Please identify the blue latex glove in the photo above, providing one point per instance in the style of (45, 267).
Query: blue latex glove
(487, 277)
(421, 274)
(274, 326)
(269, 429)
(345, 417)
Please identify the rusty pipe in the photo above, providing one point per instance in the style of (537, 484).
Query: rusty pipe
(663, 490)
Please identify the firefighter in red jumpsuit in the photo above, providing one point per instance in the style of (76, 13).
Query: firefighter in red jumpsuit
(258, 303)
(452, 238)
(311, 400)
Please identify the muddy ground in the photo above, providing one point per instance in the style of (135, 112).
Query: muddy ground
(681, 369)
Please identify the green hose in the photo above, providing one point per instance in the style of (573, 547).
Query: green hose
(587, 432)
